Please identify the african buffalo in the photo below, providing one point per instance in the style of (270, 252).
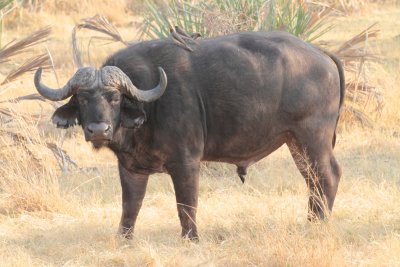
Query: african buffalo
(234, 99)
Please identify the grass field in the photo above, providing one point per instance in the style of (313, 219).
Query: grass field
(51, 218)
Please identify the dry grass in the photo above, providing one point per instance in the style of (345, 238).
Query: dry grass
(27, 183)
(256, 224)
(359, 7)
(53, 218)
(116, 12)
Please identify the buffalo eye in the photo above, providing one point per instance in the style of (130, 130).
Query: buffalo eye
(113, 98)
(82, 100)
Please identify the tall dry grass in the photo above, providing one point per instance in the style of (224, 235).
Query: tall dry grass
(359, 7)
(116, 10)
(28, 170)
(50, 217)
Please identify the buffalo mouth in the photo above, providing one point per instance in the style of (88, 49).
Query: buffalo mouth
(98, 143)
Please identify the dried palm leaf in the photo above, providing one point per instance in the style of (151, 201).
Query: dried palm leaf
(26, 97)
(8, 114)
(364, 98)
(355, 54)
(30, 97)
(14, 48)
(29, 66)
(5, 112)
(97, 23)
(352, 114)
(101, 24)
(359, 38)
(75, 50)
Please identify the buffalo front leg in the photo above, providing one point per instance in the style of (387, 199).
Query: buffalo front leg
(185, 178)
(133, 191)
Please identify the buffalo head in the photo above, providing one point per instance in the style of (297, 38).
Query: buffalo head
(101, 101)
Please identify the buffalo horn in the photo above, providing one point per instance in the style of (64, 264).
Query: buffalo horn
(82, 78)
(114, 74)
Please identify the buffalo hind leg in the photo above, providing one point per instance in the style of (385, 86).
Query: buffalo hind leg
(133, 191)
(185, 178)
(314, 159)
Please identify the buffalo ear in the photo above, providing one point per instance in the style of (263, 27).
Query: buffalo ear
(132, 114)
(67, 115)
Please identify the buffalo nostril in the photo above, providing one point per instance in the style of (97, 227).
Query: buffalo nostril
(97, 129)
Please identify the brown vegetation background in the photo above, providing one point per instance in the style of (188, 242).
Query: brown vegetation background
(60, 200)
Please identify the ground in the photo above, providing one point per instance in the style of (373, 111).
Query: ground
(51, 218)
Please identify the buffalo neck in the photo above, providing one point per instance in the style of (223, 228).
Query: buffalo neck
(134, 148)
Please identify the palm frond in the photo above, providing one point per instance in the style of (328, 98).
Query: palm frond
(29, 66)
(34, 96)
(359, 38)
(75, 50)
(14, 48)
(186, 14)
(5, 112)
(97, 23)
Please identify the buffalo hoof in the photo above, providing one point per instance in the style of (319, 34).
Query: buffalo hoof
(317, 216)
(193, 237)
(317, 210)
(125, 232)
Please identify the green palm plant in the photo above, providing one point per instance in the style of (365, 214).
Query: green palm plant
(183, 13)
(211, 18)
(296, 18)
